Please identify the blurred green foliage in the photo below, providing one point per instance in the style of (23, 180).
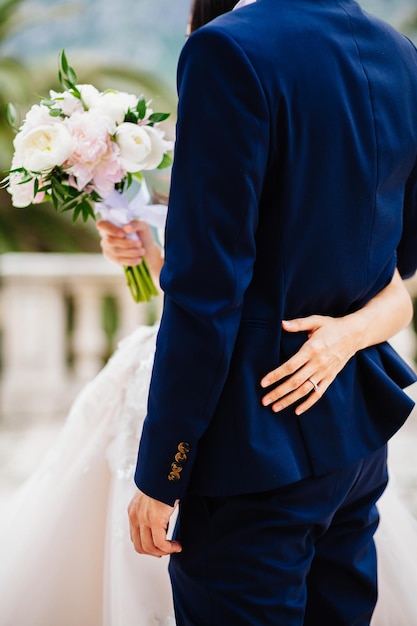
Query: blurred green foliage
(39, 228)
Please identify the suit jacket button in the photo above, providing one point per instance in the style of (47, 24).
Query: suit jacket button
(184, 447)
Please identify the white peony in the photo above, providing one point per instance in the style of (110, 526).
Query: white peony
(44, 147)
(67, 102)
(36, 116)
(22, 194)
(142, 147)
(89, 94)
(115, 104)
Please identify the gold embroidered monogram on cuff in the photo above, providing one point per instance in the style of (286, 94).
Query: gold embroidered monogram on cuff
(180, 458)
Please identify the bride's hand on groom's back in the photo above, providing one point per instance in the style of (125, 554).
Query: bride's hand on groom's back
(331, 342)
(308, 374)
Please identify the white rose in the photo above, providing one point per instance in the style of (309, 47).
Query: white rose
(135, 146)
(44, 147)
(159, 147)
(115, 104)
(142, 147)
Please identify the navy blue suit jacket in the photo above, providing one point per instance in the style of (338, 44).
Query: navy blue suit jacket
(293, 193)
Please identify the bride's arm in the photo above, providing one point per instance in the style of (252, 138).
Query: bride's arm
(117, 247)
(331, 343)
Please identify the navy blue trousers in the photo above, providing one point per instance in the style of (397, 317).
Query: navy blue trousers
(302, 554)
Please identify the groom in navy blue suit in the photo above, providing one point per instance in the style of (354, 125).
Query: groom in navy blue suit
(294, 192)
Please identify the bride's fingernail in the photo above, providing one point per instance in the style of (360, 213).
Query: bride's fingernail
(265, 382)
(277, 408)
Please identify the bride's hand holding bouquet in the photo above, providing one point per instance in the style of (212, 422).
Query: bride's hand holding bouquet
(82, 149)
(119, 248)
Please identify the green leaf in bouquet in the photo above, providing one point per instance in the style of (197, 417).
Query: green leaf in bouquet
(141, 108)
(57, 193)
(87, 210)
(77, 213)
(82, 208)
(95, 197)
(72, 76)
(56, 200)
(56, 197)
(46, 188)
(154, 118)
(56, 113)
(65, 190)
(11, 115)
(65, 198)
(67, 84)
(137, 175)
(67, 75)
(73, 198)
(63, 62)
(69, 205)
(47, 102)
(27, 177)
(131, 117)
(166, 162)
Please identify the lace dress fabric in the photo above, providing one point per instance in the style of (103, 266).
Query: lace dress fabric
(65, 553)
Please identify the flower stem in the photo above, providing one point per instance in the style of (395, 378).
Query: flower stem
(140, 282)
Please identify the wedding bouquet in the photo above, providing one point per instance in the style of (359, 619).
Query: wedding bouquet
(82, 149)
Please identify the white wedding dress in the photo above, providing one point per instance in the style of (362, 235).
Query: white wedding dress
(65, 554)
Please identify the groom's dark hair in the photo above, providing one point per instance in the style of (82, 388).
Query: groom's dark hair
(203, 11)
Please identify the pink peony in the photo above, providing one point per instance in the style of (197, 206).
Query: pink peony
(92, 145)
(109, 172)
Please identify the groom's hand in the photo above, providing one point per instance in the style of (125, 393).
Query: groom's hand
(149, 521)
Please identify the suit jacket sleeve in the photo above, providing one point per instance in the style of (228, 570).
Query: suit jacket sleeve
(220, 160)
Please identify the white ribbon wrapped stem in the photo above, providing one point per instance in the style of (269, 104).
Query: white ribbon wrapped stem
(118, 210)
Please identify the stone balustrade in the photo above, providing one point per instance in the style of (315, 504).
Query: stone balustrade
(54, 336)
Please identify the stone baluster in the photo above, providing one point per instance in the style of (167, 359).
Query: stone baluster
(130, 313)
(88, 340)
(34, 355)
